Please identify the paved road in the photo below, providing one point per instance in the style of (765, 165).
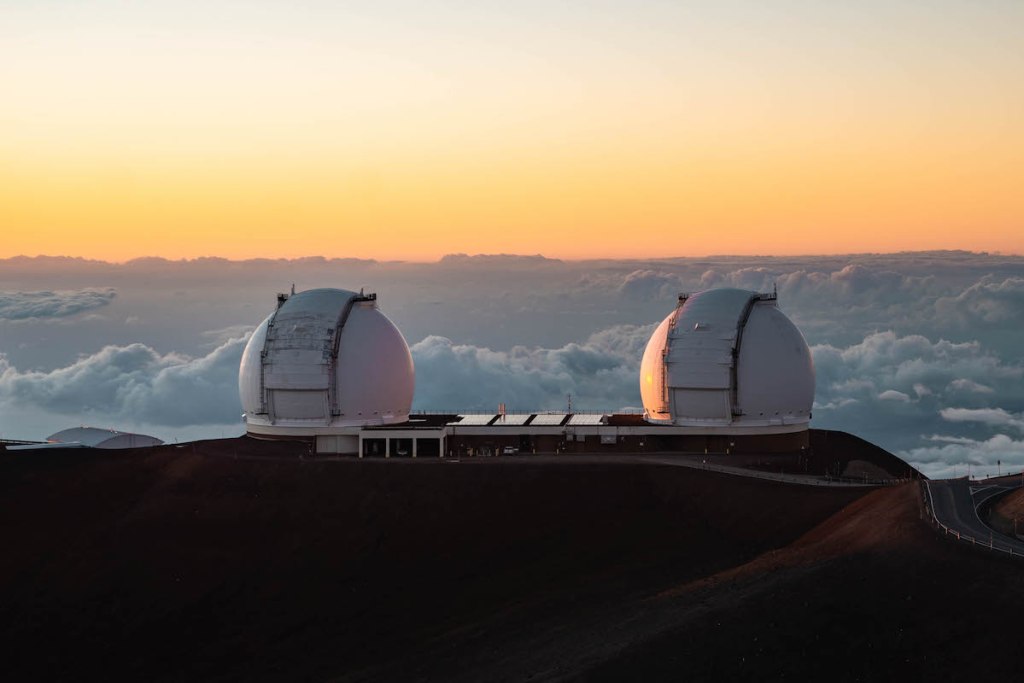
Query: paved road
(955, 505)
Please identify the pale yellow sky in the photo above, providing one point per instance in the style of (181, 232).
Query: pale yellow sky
(591, 129)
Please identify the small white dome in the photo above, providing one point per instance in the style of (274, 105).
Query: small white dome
(728, 358)
(93, 437)
(325, 361)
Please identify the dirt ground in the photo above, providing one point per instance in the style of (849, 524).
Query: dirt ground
(1007, 514)
(216, 563)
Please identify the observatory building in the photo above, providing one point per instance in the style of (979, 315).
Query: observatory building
(324, 365)
(92, 437)
(89, 437)
(725, 372)
(728, 361)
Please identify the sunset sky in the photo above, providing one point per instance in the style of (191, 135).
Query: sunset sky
(408, 130)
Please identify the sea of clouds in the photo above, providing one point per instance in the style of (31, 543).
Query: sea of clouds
(918, 352)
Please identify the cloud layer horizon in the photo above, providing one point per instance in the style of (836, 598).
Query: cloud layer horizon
(917, 352)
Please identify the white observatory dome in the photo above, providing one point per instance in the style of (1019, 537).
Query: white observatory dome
(728, 361)
(325, 362)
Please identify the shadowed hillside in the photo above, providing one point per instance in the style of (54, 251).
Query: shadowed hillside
(844, 454)
(182, 563)
(1006, 513)
(870, 594)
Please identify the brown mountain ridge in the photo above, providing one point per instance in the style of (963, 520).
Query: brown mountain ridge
(220, 561)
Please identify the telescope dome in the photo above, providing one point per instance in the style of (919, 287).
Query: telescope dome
(324, 362)
(728, 359)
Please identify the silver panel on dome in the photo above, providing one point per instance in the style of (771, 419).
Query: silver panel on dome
(300, 352)
(701, 404)
(298, 405)
(699, 355)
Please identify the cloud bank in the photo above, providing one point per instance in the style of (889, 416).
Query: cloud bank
(906, 391)
(52, 304)
(601, 372)
(135, 383)
(918, 352)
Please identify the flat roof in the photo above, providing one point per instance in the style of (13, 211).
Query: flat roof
(477, 420)
(513, 420)
(439, 420)
(549, 419)
(420, 421)
(581, 419)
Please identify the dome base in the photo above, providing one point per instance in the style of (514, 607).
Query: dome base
(258, 427)
(752, 428)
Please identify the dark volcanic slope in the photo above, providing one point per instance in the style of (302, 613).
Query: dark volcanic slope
(1007, 512)
(170, 563)
(871, 594)
(842, 453)
(174, 564)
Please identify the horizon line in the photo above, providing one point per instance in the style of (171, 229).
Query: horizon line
(462, 256)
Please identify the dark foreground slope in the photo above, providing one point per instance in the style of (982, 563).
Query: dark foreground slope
(871, 594)
(173, 564)
(1006, 513)
(846, 455)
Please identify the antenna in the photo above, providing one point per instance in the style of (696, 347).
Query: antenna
(293, 288)
(569, 398)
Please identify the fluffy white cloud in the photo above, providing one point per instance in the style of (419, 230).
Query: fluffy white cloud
(893, 395)
(601, 373)
(989, 301)
(922, 390)
(996, 417)
(52, 304)
(644, 285)
(135, 383)
(862, 285)
(910, 364)
(949, 296)
(896, 389)
(999, 453)
(970, 386)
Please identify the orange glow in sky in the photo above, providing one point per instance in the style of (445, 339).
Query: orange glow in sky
(397, 132)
